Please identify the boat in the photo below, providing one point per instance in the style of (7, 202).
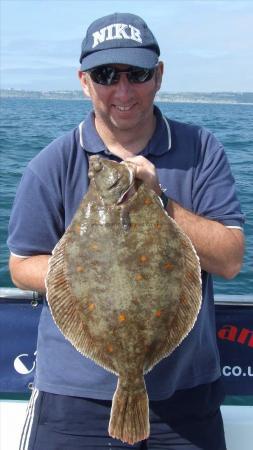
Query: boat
(19, 317)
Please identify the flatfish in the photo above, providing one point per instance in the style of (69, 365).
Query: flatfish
(124, 286)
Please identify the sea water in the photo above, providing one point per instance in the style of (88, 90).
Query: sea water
(28, 125)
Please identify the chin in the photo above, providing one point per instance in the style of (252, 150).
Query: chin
(126, 124)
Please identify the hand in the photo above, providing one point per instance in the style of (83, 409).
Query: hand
(145, 171)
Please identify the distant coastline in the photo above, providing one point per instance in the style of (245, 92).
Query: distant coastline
(243, 98)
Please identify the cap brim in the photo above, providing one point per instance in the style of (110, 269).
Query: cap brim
(140, 57)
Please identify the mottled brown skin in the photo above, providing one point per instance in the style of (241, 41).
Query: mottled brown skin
(124, 287)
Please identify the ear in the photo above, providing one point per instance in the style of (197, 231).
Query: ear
(83, 80)
(159, 75)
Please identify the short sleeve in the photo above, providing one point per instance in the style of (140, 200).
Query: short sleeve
(214, 194)
(37, 218)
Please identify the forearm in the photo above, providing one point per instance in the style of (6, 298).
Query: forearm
(219, 248)
(29, 273)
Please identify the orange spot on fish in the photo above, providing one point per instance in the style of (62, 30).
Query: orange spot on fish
(79, 269)
(122, 317)
(158, 225)
(138, 277)
(94, 246)
(110, 348)
(147, 201)
(77, 229)
(143, 258)
(158, 313)
(91, 307)
(168, 266)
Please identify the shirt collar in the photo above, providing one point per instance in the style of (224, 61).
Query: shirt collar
(159, 143)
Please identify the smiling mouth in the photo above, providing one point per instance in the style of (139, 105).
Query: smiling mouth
(123, 108)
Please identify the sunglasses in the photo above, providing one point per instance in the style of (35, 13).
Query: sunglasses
(108, 75)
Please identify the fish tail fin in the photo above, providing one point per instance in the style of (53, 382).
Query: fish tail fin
(129, 419)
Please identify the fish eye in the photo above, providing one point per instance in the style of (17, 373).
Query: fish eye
(97, 166)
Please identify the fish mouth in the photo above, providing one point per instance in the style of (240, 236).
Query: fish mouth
(127, 195)
(130, 191)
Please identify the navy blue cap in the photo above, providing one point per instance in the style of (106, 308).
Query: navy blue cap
(119, 38)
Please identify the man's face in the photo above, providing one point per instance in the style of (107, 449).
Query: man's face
(123, 105)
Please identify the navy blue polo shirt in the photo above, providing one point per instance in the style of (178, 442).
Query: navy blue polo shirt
(193, 167)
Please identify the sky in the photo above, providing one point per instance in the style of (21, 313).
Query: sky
(206, 45)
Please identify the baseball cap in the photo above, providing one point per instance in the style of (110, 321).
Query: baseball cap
(119, 38)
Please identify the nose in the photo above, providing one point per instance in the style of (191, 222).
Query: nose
(123, 87)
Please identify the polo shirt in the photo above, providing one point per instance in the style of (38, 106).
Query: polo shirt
(193, 168)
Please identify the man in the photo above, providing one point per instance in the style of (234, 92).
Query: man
(69, 408)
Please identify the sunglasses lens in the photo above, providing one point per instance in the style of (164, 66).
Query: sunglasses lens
(140, 75)
(107, 75)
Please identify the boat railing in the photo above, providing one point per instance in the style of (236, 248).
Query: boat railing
(15, 293)
(219, 299)
(233, 300)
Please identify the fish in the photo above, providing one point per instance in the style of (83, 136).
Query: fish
(124, 286)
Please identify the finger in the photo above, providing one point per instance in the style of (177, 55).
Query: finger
(131, 166)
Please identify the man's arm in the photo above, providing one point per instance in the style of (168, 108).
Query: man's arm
(29, 273)
(220, 249)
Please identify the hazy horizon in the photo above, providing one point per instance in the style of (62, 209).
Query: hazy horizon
(160, 92)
